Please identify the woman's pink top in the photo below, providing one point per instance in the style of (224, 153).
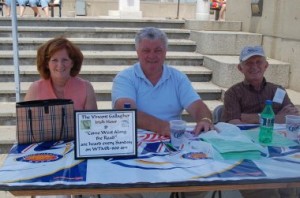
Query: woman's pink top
(75, 89)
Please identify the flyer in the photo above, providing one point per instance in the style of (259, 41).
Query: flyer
(105, 133)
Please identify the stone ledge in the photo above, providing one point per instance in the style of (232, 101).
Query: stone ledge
(213, 25)
(223, 42)
(226, 74)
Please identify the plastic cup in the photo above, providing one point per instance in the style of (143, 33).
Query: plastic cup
(292, 123)
(177, 128)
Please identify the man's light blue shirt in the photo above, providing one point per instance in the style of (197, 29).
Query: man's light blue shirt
(166, 100)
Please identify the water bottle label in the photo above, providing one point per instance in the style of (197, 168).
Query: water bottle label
(268, 122)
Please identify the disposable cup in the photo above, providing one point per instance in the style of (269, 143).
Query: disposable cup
(292, 123)
(177, 128)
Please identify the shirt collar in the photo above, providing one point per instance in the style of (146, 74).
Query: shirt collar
(251, 88)
(165, 75)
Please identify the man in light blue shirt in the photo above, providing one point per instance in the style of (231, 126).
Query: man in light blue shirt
(158, 91)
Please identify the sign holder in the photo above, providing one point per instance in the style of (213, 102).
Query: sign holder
(105, 134)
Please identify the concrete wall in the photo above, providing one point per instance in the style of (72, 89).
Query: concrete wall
(280, 26)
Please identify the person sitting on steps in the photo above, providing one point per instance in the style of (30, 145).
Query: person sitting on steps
(32, 3)
(34, 6)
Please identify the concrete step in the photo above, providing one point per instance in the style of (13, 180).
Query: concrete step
(213, 25)
(88, 22)
(96, 44)
(107, 58)
(225, 72)
(102, 73)
(8, 132)
(224, 42)
(207, 90)
(87, 32)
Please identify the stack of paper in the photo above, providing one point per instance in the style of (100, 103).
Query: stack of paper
(231, 143)
(231, 149)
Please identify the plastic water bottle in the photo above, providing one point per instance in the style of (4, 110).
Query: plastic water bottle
(267, 118)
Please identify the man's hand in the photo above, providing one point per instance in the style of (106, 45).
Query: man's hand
(203, 126)
(250, 118)
(289, 109)
(202, 115)
(164, 128)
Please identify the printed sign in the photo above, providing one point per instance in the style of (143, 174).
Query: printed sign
(105, 134)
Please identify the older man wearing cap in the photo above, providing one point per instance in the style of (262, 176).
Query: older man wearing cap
(245, 100)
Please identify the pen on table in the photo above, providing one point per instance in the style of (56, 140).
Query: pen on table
(169, 147)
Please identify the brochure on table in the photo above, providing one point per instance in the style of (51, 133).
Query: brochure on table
(105, 134)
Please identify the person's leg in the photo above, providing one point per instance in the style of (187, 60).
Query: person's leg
(22, 5)
(33, 4)
(36, 11)
(22, 10)
(222, 12)
(44, 5)
(7, 7)
(8, 10)
(46, 10)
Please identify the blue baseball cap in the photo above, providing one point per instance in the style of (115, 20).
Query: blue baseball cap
(250, 51)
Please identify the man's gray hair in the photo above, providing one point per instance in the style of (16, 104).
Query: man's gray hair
(151, 33)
